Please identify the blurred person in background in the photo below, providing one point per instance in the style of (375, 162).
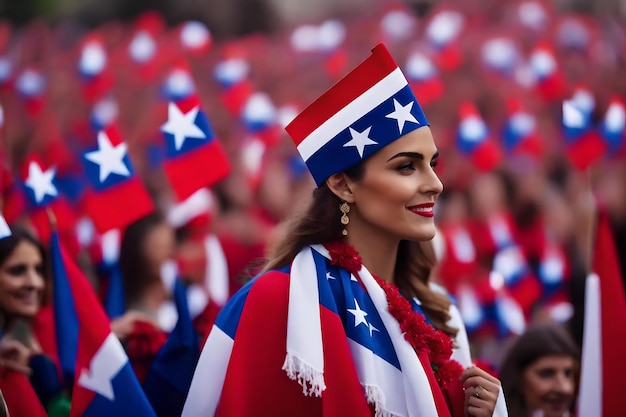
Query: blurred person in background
(23, 285)
(146, 246)
(540, 373)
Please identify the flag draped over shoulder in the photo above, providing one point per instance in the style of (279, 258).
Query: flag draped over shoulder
(105, 384)
(604, 339)
(311, 339)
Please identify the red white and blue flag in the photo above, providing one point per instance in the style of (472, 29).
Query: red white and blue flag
(613, 127)
(520, 134)
(362, 113)
(474, 139)
(42, 192)
(194, 158)
(424, 78)
(96, 77)
(583, 143)
(104, 384)
(604, 340)
(117, 196)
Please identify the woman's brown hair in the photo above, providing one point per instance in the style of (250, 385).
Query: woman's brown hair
(321, 224)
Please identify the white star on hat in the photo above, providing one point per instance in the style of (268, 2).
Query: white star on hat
(359, 315)
(109, 158)
(182, 125)
(360, 140)
(402, 114)
(41, 181)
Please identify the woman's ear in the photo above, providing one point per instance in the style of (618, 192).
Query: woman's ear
(338, 184)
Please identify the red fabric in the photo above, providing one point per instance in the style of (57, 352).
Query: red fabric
(45, 333)
(613, 314)
(586, 150)
(19, 395)
(142, 345)
(197, 169)
(119, 205)
(263, 384)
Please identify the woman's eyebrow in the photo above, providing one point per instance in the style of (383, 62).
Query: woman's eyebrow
(415, 155)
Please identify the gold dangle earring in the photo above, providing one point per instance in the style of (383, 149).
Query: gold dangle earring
(345, 209)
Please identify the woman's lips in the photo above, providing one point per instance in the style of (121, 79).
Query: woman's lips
(424, 210)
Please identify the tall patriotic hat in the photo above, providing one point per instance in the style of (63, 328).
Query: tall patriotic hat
(366, 110)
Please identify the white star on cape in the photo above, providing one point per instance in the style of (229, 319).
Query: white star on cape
(359, 315)
(41, 181)
(182, 125)
(109, 158)
(329, 276)
(360, 140)
(402, 114)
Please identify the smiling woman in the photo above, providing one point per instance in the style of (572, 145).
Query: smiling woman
(343, 319)
(22, 362)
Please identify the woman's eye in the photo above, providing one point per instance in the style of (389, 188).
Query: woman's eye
(406, 167)
(16, 270)
(433, 164)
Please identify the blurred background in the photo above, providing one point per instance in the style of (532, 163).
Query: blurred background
(525, 99)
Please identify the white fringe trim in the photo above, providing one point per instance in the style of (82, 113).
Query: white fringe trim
(311, 380)
(376, 396)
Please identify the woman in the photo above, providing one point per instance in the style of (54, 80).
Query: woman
(22, 286)
(323, 330)
(540, 373)
(146, 246)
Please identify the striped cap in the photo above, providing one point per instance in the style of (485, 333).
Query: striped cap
(366, 110)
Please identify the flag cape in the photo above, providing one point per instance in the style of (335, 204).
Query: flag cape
(357, 370)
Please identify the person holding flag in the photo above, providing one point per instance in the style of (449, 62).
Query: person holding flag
(343, 320)
(29, 377)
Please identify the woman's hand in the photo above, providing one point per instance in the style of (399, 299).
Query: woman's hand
(14, 355)
(481, 392)
(123, 326)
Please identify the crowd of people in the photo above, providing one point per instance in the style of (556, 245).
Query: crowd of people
(525, 108)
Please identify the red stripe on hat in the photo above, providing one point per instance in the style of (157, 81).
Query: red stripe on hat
(376, 67)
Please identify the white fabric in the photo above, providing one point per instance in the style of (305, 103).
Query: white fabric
(203, 398)
(305, 355)
(216, 274)
(589, 401)
(415, 392)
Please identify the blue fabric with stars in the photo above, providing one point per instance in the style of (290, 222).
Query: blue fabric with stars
(92, 170)
(190, 143)
(366, 136)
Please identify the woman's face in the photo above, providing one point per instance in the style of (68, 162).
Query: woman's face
(22, 281)
(396, 196)
(548, 385)
(159, 246)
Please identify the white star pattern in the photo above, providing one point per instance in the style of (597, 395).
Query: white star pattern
(41, 181)
(360, 140)
(402, 114)
(359, 315)
(182, 125)
(329, 276)
(109, 158)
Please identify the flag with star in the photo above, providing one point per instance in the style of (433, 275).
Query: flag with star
(193, 157)
(41, 191)
(117, 196)
(104, 382)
